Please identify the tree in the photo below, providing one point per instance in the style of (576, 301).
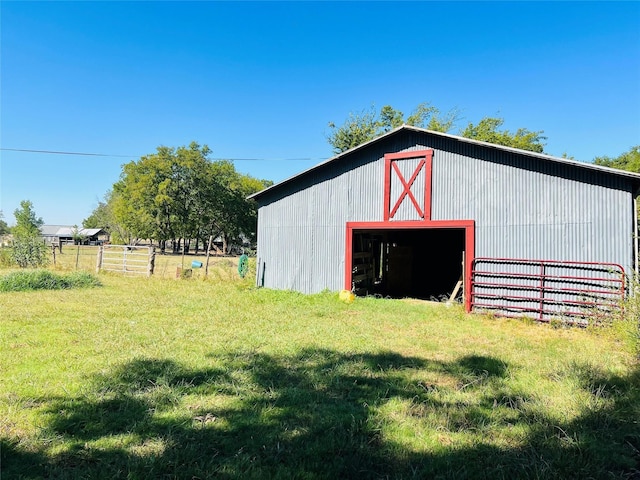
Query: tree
(78, 239)
(390, 118)
(368, 125)
(4, 228)
(27, 223)
(77, 235)
(28, 249)
(429, 117)
(102, 215)
(629, 161)
(232, 215)
(356, 130)
(360, 128)
(487, 130)
(155, 195)
(99, 218)
(179, 194)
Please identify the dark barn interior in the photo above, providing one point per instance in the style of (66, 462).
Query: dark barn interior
(422, 263)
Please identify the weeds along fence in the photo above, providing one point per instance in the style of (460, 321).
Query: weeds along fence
(126, 259)
(74, 257)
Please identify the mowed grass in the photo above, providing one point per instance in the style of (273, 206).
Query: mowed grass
(164, 378)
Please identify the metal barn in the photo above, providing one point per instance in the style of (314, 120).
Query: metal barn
(416, 213)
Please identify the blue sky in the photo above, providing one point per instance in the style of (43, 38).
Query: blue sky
(262, 80)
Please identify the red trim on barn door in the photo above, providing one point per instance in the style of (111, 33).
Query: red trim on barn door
(469, 247)
(406, 189)
(391, 164)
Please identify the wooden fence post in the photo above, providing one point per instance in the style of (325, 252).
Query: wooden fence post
(99, 259)
(206, 267)
(152, 261)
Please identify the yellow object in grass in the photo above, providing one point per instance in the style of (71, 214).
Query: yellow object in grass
(347, 296)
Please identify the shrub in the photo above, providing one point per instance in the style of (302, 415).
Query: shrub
(82, 280)
(6, 259)
(626, 327)
(29, 252)
(46, 280)
(632, 319)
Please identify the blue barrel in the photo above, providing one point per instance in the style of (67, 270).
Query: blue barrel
(196, 264)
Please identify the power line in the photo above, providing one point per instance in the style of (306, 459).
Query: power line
(53, 152)
(301, 159)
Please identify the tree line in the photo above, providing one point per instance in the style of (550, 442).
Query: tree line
(369, 124)
(179, 195)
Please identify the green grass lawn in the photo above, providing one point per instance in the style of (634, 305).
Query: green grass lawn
(162, 378)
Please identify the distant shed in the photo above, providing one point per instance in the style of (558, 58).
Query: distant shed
(412, 212)
(63, 234)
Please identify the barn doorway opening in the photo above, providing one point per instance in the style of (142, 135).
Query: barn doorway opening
(422, 263)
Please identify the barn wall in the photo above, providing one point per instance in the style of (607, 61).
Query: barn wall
(301, 237)
(523, 207)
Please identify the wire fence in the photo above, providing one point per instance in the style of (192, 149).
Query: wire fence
(84, 257)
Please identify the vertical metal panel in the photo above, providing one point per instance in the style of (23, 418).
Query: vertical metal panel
(524, 207)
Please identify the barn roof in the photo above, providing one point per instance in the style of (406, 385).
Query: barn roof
(49, 230)
(66, 231)
(633, 177)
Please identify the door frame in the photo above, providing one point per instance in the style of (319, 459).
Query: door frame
(469, 244)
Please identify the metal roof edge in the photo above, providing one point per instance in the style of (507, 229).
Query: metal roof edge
(55, 230)
(329, 160)
(541, 156)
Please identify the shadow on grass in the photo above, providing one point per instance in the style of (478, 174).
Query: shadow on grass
(320, 414)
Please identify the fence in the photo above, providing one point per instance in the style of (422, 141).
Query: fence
(126, 259)
(546, 290)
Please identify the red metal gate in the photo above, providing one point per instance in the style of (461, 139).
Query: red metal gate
(573, 292)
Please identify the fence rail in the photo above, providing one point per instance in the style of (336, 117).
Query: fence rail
(547, 289)
(126, 259)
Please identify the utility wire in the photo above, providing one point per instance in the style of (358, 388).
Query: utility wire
(301, 159)
(52, 152)
(65, 153)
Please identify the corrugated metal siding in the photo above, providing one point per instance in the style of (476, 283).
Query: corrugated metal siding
(523, 208)
(301, 237)
(526, 209)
